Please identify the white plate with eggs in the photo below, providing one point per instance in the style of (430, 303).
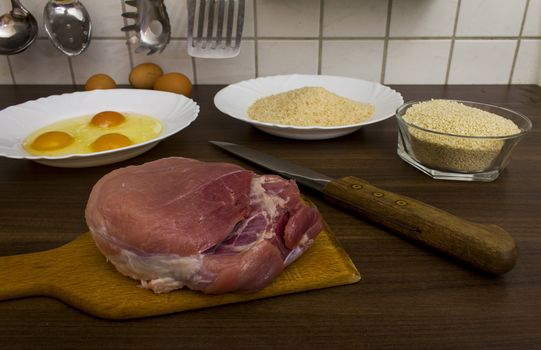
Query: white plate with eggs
(235, 100)
(163, 114)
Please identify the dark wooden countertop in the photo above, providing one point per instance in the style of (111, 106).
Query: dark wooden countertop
(410, 297)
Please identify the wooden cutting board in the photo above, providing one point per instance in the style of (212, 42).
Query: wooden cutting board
(78, 274)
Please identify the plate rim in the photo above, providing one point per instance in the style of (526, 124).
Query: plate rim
(191, 118)
(307, 128)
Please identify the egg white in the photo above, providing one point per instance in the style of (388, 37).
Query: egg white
(138, 128)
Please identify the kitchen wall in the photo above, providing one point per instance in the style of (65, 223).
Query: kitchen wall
(393, 42)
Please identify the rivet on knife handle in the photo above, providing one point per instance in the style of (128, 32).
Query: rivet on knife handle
(487, 247)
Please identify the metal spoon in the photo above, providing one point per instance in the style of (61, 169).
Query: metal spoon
(68, 25)
(18, 29)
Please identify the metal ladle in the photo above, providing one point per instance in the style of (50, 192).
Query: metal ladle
(18, 29)
(68, 25)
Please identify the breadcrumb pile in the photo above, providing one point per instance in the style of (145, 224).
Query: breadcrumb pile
(310, 106)
(456, 153)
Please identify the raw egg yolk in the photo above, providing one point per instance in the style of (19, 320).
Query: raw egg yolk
(52, 140)
(110, 141)
(107, 119)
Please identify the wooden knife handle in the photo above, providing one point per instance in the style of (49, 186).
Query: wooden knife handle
(487, 247)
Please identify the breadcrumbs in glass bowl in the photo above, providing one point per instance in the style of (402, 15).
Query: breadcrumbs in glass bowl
(458, 140)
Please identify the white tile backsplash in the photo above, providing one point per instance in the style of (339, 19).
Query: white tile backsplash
(35, 7)
(5, 6)
(287, 56)
(229, 70)
(51, 67)
(482, 61)
(409, 39)
(360, 59)
(248, 30)
(417, 61)
(532, 26)
(490, 17)
(106, 18)
(423, 18)
(528, 66)
(5, 75)
(114, 52)
(177, 12)
(287, 18)
(347, 18)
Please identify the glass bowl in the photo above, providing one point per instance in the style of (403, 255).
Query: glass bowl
(456, 157)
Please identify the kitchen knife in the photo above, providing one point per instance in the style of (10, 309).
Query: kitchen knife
(487, 247)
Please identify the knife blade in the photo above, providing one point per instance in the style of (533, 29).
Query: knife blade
(305, 176)
(484, 246)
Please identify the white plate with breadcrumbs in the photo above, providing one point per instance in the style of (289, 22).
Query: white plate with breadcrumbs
(175, 112)
(234, 100)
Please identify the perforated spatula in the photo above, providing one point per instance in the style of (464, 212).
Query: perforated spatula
(215, 28)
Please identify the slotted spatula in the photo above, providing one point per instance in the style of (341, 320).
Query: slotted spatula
(215, 28)
(151, 29)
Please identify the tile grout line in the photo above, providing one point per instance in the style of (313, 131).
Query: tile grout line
(320, 39)
(256, 47)
(192, 59)
(346, 38)
(194, 71)
(107, 37)
(386, 41)
(13, 81)
(514, 37)
(519, 41)
(453, 39)
(126, 35)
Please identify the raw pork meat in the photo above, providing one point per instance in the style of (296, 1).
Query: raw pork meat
(214, 227)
